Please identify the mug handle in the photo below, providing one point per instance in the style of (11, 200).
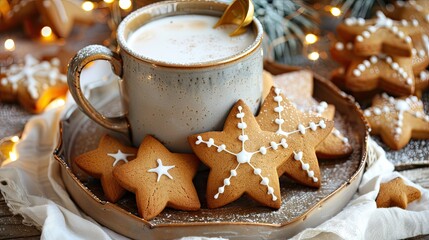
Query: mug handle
(82, 58)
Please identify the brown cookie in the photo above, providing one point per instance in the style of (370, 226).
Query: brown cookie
(99, 163)
(15, 13)
(416, 12)
(379, 35)
(33, 84)
(242, 159)
(62, 14)
(298, 87)
(397, 120)
(396, 193)
(303, 133)
(160, 179)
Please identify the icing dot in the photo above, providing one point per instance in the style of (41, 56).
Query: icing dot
(359, 38)
(398, 131)
(401, 34)
(270, 190)
(386, 109)
(345, 140)
(395, 66)
(367, 113)
(315, 179)
(361, 67)
(414, 99)
(310, 173)
(298, 156)
(418, 114)
(408, 39)
(366, 34)
(361, 21)
(373, 59)
(279, 121)
(394, 29)
(221, 189)
(366, 63)
(423, 75)
(415, 22)
(274, 198)
(277, 91)
(356, 73)
(404, 22)
(301, 129)
(389, 60)
(274, 145)
(240, 115)
(221, 148)
(372, 29)
(305, 166)
(313, 126)
(322, 124)
(242, 125)
(336, 132)
(243, 138)
(284, 143)
(413, 51)
(257, 171)
(263, 150)
(377, 111)
(240, 108)
(278, 109)
(401, 105)
(349, 21)
(216, 196)
(233, 173)
(409, 81)
(278, 98)
(226, 182)
(339, 46)
(265, 181)
(210, 142)
(427, 118)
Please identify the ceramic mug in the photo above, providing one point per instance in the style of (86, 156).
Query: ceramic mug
(172, 100)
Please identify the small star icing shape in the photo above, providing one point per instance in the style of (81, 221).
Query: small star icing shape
(143, 176)
(99, 163)
(397, 120)
(396, 193)
(298, 88)
(34, 84)
(161, 170)
(302, 131)
(242, 159)
(120, 156)
(380, 35)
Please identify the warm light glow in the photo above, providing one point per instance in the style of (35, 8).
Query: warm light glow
(13, 156)
(46, 32)
(9, 44)
(335, 11)
(125, 4)
(59, 102)
(310, 38)
(14, 139)
(108, 1)
(313, 56)
(87, 6)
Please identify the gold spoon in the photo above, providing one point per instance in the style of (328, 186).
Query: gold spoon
(239, 12)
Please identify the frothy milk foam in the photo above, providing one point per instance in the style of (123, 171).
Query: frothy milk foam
(188, 39)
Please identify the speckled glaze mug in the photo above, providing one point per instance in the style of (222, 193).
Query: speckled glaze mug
(171, 100)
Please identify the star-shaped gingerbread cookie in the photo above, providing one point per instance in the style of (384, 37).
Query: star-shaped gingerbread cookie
(99, 163)
(302, 131)
(160, 179)
(380, 35)
(396, 193)
(298, 87)
(242, 159)
(397, 120)
(415, 11)
(34, 84)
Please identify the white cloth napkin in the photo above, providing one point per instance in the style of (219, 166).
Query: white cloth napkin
(32, 187)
